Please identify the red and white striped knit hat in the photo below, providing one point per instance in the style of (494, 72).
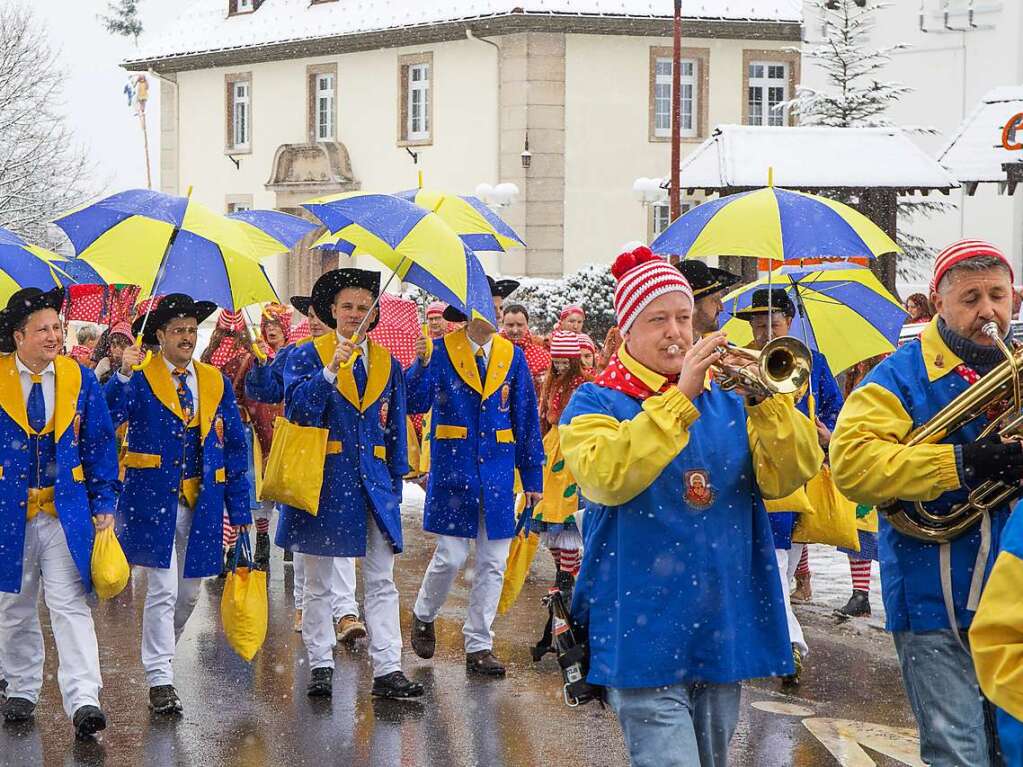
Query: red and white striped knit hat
(570, 310)
(436, 307)
(565, 344)
(643, 277)
(961, 251)
(585, 342)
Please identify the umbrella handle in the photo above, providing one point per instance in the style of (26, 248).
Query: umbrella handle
(351, 360)
(145, 362)
(256, 351)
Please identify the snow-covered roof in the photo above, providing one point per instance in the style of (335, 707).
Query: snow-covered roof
(975, 152)
(205, 27)
(807, 158)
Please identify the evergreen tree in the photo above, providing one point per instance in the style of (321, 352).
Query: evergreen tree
(123, 19)
(857, 96)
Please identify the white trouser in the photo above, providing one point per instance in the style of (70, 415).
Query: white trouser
(488, 579)
(47, 560)
(170, 600)
(787, 561)
(265, 510)
(382, 617)
(342, 588)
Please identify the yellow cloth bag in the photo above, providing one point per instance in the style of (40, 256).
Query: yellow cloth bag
(294, 470)
(243, 606)
(413, 449)
(833, 521)
(110, 570)
(520, 557)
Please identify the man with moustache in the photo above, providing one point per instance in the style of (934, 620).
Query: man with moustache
(185, 463)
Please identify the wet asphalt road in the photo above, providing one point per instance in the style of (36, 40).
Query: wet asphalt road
(258, 714)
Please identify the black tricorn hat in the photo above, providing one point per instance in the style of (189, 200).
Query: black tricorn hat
(705, 280)
(779, 302)
(302, 304)
(22, 304)
(171, 306)
(498, 289)
(331, 283)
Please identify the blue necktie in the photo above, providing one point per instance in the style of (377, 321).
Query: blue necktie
(184, 394)
(36, 405)
(481, 365)
(359, 371)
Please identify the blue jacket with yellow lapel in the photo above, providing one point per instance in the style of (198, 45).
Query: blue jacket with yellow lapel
(367, 452)
(480, 432)
(86, 481)
(147, 509)
(265, 382)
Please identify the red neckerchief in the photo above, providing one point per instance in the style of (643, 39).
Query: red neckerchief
(538, 359)
(226, 352)
(80, 353)
(616, 376)
(971, 377)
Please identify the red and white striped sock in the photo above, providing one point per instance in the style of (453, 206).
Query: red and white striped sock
(860, 571)
(230, 534)
(803, 568)
(262, 525)
(570, 561)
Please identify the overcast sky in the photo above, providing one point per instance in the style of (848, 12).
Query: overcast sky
(94, 102)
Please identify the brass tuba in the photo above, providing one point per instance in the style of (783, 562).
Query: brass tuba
(1003, 384)
(781, 367)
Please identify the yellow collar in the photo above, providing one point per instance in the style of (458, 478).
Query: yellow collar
(939, 360)
(376, 381)
(67, 386)
(499, 362)
(653, 381)
(210, 383)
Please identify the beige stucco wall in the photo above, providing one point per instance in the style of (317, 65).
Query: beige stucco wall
(607, 144)
(463, 154)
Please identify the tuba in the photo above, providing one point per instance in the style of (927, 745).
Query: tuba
(999, 388)
(781, 367)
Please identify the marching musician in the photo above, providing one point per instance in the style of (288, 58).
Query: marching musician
(931, 590)
(677, 589)
(185, 464)
(484, 425)
(58, 472)
(264, 383)
(709, 285)
(355, 389)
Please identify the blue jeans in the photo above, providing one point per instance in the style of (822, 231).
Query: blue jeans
(946, 700)
(683, 725)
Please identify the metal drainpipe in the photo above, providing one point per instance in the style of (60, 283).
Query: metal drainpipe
(177, 122)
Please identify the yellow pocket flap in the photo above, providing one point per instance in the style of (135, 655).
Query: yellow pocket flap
(505, 435)
(333, 446)
(220, 475)
(1, 472)
(444, 431)
(380, 451)
(141, 460)
(78, 473)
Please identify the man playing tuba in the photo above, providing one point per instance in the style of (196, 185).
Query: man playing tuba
(931, 588)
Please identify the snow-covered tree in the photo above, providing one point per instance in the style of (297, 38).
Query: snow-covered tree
(42, 169)
(123, 19)
(857, 96)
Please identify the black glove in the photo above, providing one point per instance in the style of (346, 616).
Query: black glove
(990, 458)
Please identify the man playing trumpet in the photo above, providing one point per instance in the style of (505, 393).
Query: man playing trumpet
(677, 591)
(931, 588)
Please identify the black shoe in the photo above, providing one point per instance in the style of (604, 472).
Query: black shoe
(3, 690)
(858, 606)
(797, 661)
(396, 686)
(18, 710)
(88, 720)
(163, 699)
(564, 581)
(321, 683)
(424, 639)
(262, 555)
(483, 662)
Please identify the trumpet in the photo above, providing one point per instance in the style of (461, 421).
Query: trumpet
(781, 367)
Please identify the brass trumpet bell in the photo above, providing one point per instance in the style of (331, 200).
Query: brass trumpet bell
(781, 367)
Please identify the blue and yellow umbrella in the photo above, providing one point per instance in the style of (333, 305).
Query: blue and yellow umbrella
(23, 265)
(168, 244)
(415, 243)
(775, 224)
(842, 311)
(478, 226)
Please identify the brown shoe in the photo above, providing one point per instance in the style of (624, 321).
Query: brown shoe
(297, 625)
(483, 662)
(424, 639)
(803, 591)
(350, 629)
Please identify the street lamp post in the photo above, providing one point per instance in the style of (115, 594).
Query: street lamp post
(675, 201)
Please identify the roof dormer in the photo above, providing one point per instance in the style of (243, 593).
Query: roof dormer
(241, 7)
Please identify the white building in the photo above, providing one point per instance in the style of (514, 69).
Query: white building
(267, 103)
(958, 51)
